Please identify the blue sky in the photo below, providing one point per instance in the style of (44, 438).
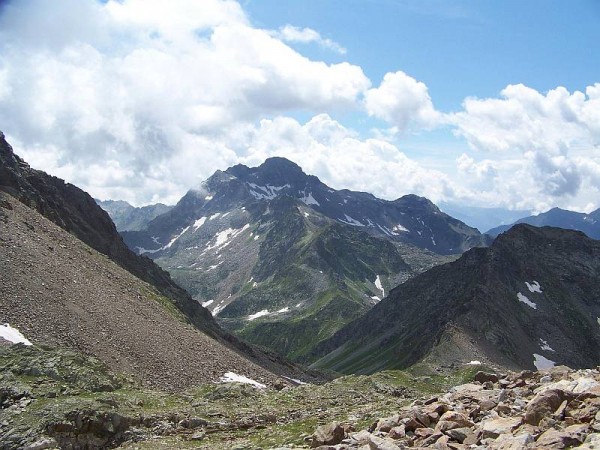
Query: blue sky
(481, 103)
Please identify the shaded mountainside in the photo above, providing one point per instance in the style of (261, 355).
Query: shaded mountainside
(58, 291)
(284, 261)
(561, 218)
(129, 218)
(532, 299)
(76, 212)
(282, 275)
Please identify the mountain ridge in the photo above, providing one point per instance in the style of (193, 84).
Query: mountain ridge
(534, 289)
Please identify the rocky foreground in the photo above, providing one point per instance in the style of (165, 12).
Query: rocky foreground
(554, 409)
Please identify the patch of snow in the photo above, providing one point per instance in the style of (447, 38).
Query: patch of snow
(264, 312)
(534, 287)
(351, 221)
(172, 241)
(306, 214)
(542, 363)
(525, 300)
(283, 310)
(231, 377)
(254, 284)
(598, 320)
(256, 237)
(224, 238)
(294, 380)
(198, 223)
(379, 286)
(142, 250)
(213, 267)
(433, 241)
(308, 199)
(298, 305)
(400, 228)
(474, 363)
(214, 216)
(419, 233)
(155, 240)
(374, 297)
(218, 309)
(13, 335)
(266, 192)
(208, 303)
(544, 345)
(208, 197)
(386, 230)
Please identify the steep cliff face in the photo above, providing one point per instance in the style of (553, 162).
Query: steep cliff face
(530, 300)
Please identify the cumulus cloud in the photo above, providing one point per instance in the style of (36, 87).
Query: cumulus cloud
(403, 102)
(544, 146)
(132, 83)
(290, 33)
(322, 146)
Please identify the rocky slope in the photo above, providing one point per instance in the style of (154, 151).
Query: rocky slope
(550, 410)
(53, 398)
(283, 275)
(409, 219)
(129, 218)
(76, 212)
(532, 299)
(58, 291)
(285, 261)
(561, 218)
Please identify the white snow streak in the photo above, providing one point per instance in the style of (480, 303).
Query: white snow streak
(264, 312)
(13, 335)
(400, 228)
(198, 223)
(208, 303)
(544, 345)
(175, 238)
(283, 310)
(474, 363)
(231, 377)
(267, 192)
(542, 363)
(534, 287)
(224, 238)
(379, 286)
(308, 199)
(351, 221)
(525, 300)
(214, 216)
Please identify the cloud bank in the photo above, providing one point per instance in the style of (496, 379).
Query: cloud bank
(142, 99)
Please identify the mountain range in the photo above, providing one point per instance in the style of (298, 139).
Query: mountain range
(530, 300)
(130, 218)
(556, 217)
(284, 260)
(68, 280)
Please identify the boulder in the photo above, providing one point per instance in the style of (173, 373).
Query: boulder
(329, 434)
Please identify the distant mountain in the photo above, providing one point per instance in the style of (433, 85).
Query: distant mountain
(482, 218)
(130, 218)
(284, 261)
(556, 217)
(43, 280)
(530, 300)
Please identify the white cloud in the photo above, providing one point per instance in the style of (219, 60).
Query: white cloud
(325, 148)
(290, 33)
(403, 102)
(142, 85)
(544, 147)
